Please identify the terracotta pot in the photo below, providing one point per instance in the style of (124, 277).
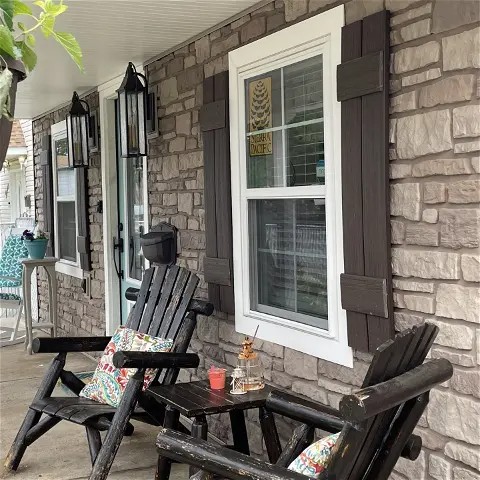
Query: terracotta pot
(18, 71)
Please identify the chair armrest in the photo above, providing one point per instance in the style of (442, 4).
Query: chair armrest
(201, 307)
(155, 360)
(305, 411)
(220, 460)
(69, 344)
(370, 401)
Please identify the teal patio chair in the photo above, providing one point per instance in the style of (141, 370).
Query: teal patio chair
(11, 280)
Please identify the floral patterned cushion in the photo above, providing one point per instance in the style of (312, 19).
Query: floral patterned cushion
(108, 382)
(314, 459)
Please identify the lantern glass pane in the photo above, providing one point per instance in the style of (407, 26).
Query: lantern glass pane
(141, 123)
(84, 125)
(70, 143)
(77, 140)
(123, 123)
(132, 121)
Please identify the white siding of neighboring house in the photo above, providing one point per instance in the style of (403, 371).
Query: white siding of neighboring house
(28, 166)
(26, 177)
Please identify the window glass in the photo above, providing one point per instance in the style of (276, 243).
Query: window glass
(65, 182)
(67, 231)
(284, 126)
(61, 153)
(288, 267)
(136, 217)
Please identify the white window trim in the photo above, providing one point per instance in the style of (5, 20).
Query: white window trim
(63, 266)
(319, 34)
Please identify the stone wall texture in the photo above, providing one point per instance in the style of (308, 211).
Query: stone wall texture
(78, 313)
(435, 193)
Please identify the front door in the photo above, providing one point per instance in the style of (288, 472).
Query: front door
(132, 223)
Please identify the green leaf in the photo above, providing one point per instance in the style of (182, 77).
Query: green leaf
(30, 40)
(7, 42)
(70, 44)
(48, 24)
(20, 8)
(6, 12)
(54, 8)
(29, 57)
(40, 3)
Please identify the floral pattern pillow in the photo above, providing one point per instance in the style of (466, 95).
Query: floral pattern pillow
(108, 382)
(314, 459)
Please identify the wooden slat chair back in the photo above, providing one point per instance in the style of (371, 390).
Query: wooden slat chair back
(164, 308)
(368, 450)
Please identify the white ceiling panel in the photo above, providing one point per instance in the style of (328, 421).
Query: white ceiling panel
(111, 33)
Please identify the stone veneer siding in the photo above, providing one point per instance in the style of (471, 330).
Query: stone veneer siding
(78, 314)
(435, 130)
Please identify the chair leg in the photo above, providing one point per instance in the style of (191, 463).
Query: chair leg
(45, 389)
(19, 316)
(94, 442)
(115, 434)
(17, 450)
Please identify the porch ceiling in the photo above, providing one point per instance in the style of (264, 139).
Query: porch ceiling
(112, 33)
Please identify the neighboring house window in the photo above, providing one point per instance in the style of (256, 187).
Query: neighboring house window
(286, 188)
(65, 204)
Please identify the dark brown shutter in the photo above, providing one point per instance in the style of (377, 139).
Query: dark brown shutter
(47, 178)
(218, 265)
(362, 87)
(83, 239)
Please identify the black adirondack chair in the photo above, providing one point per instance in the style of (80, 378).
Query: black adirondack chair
(376, 423)
(165, 307)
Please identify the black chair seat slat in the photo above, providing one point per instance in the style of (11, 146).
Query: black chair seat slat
(175, 299)
(155, 291)
(167, 288)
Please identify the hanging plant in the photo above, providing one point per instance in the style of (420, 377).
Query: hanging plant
(17, 39)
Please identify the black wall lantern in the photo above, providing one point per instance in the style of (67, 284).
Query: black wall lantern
(132, 103)
(78, 132)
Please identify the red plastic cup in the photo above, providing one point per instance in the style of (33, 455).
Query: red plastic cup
(217, 378)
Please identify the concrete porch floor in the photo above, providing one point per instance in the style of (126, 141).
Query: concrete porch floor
(62, 453)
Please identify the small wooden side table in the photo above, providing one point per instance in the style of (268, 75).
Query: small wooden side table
(29, 265)
(197, 400)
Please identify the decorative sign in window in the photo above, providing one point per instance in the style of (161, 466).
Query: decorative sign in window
(260, 116)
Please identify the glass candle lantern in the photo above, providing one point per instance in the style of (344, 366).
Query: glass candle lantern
(249, 362)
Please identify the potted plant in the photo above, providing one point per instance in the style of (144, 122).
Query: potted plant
(17, 52)
(35, 243)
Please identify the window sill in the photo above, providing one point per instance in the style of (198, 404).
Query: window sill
(69, 269)
(304, 338)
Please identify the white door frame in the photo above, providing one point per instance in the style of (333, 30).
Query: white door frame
(107, 93)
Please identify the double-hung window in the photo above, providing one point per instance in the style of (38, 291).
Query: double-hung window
(286, 188)
(64, 204)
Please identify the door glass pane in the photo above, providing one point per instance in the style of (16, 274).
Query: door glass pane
(135, 216)
(284, 126)
(67, 231)
(288, 262)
